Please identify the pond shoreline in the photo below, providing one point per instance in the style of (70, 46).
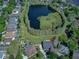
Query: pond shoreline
(36, 11)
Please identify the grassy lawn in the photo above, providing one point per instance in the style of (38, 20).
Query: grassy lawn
(50, 21)
(25, 35)
(13, 48)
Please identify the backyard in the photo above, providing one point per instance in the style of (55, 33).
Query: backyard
(24, 33)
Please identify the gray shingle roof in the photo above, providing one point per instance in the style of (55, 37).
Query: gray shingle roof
(12, 23)
(76, 54)
(63, 49)
(10, 29)
(47, 45)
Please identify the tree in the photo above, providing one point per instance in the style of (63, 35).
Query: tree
(10, 6)
(72, 44)
(11, 57)
(13, 48)
(63, 37)
(2, 23)
(1, 2)
(65, 57)
(52, 55)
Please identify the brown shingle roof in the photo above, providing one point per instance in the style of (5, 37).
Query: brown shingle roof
(30, 50)
(10, 34)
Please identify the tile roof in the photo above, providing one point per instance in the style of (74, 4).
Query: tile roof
(29, 50)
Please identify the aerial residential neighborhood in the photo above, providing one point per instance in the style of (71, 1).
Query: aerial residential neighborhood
(39, 29)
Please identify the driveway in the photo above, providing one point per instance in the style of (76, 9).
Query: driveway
(41, 49)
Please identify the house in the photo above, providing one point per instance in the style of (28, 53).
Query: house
(13, 19)
(63, 49)
(76, 54)
(16, 10)
(29, 50)
(5, 2)
(47, 46)
(11, 30)
(12, 23)
(10, 35)
(55, 46)
(11, 27)
(7, 41)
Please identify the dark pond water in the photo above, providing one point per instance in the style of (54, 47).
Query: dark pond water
(35, 11)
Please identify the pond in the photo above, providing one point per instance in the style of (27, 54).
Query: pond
(36, 11)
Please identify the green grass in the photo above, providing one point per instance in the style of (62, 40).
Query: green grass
(13, 48)
(25, 35)
(39, 55)
(50, 21)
